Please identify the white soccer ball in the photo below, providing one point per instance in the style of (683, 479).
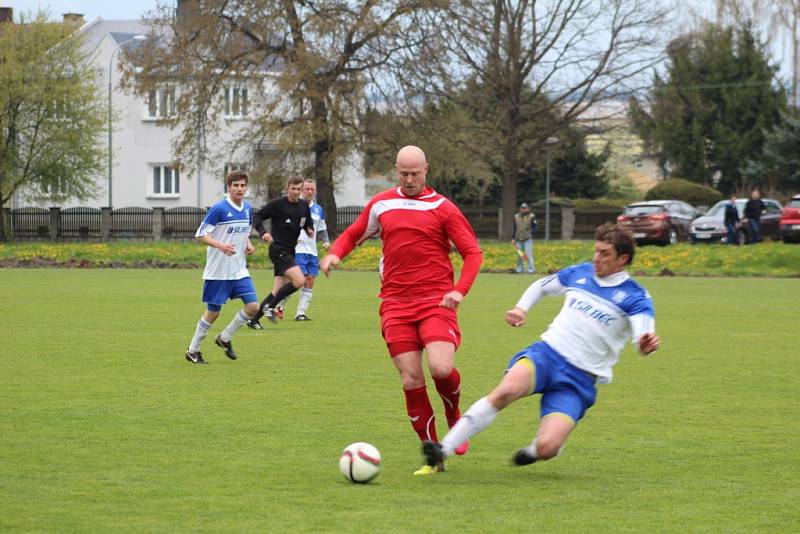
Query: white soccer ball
(360, 462)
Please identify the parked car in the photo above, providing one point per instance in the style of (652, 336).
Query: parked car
(790, 221)
(658, 221)
(710, 228)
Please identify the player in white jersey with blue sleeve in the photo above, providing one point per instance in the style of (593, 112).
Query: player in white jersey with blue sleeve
(226, 230)
(603, 308)
(306, 254)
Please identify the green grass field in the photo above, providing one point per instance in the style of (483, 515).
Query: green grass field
(104, 426)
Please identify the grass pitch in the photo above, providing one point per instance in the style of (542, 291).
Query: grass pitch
(104, 426)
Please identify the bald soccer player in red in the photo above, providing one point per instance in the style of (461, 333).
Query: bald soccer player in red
(417, 226)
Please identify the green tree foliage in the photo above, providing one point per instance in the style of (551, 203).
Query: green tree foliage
(306, 63)
(711, 110)
(51, 113)
(778, 167)
(690, 192)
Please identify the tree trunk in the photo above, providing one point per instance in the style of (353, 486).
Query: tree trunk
(323, 168)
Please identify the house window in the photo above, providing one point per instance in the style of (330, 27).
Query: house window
(237, 102)
(56, 188)
(166, 181)
(161, 103)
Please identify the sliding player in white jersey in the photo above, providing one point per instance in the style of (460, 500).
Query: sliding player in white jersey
(226, 231)
(603, 308)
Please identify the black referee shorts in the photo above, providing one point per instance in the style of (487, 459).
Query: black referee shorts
(282, 258)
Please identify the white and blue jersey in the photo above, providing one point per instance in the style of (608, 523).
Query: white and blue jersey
(228, 223)
(306, 244)
(598, 317)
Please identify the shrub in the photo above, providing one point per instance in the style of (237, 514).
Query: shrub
(679, 189)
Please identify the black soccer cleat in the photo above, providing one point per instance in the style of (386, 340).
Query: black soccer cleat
(227, 346)
(255, 325)
(434, 455)
(302, 317)
(269, 313)
(523, 457)
(195, 357)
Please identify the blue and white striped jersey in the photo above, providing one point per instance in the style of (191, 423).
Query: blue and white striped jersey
(598, 317)
(308, 245)
(228, 223)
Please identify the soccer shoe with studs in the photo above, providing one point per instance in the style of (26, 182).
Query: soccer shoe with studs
(269, 313)
(278, 312)
(195, 357)
(255, 325)
(428, 470)
(462, 449)
(523, 457)
(227, 346)
(433, 453)
(302, 317)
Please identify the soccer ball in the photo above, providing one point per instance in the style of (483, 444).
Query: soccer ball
(360, 462)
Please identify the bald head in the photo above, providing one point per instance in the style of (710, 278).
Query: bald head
(412, 168)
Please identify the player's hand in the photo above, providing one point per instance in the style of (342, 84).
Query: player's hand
(250, 248)
(649, 343)
(451, 300)
(266, 236)
(228, 249)
(516, 317)
(329, 261)
(326, 245)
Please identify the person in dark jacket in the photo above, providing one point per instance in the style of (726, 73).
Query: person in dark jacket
(753, 209)
(732, 220)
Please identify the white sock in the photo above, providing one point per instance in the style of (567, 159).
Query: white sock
(236, 323)
(479, 416)
(303, 301)
(200, 334)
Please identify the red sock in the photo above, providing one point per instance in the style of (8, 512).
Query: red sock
(449, 389)
(420, 412)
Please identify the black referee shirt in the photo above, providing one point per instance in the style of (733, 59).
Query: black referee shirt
(287, 219)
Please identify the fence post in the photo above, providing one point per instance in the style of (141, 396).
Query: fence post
(55, 223)
(105, 224)
(8, 232)
(567, 222)
(158, 223)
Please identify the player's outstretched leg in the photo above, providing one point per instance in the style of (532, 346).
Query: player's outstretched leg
(449, 389)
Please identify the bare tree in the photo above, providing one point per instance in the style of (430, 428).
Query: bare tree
(308, 62)
(552, 59)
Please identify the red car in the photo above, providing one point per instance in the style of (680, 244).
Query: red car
(790, 221)
(658, 221)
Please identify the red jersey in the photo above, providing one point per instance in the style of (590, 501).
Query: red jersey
(416, 234)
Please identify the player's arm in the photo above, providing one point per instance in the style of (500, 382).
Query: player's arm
(460, 232)
(355, 234)
(250, 247)
(309, 225)
(260, 216)
(322, 230)
(203, 233)
(549, 285)
(227, 248)
(643, 327)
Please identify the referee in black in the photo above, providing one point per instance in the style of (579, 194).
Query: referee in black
(287, 215)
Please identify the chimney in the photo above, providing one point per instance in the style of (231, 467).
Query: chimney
(6, 14)
(73, 18)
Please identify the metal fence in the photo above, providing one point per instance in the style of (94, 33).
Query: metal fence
(346, 215)
(131, 223)
(82, 224)
(31, 224)
(182, 222)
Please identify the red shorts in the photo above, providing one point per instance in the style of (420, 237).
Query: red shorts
(408, 326)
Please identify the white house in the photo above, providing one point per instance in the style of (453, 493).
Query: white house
(140, 172)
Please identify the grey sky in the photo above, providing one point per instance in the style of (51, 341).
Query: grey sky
(107, 9)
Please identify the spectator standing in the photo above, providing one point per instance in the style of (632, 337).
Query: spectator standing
(524, 228)
(732, 220)
(752, 214)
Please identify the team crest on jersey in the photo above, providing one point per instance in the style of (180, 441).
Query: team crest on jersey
(618, 296)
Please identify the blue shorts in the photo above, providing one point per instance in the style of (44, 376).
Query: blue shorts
(217, 292)
(308, 263)
(564, 388)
